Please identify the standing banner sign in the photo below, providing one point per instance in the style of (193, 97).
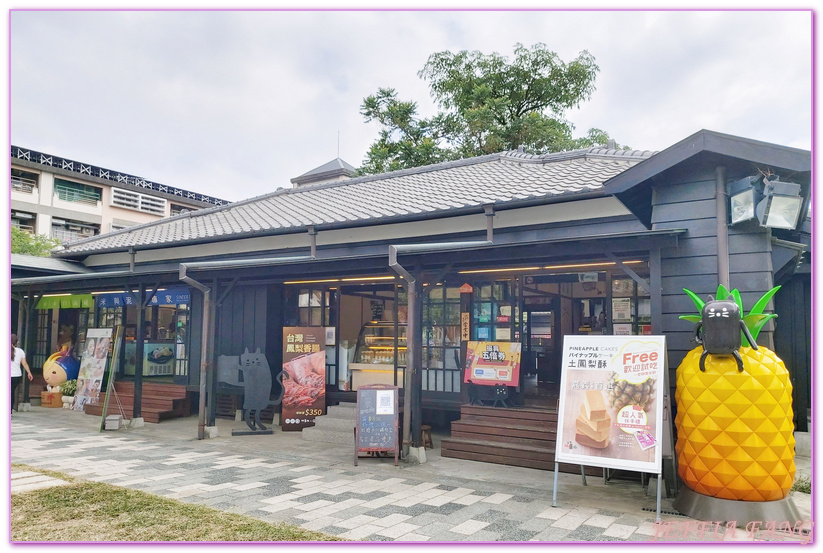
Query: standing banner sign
(113, 366)
(92, 367)
(304, 378)
(611, 403)
(493, 363)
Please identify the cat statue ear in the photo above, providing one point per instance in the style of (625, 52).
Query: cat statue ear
(257, 350)
(246, 352)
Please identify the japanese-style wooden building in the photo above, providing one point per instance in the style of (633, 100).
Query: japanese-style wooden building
(589, 241)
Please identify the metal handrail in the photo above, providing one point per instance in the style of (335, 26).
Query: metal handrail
(22, 184)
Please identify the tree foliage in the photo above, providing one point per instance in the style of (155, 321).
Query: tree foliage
(488, 104)
(32, 244)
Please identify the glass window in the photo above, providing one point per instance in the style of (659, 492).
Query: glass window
(70, 191)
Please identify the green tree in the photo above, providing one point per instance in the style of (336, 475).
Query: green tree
(32, 244)
(488, 104)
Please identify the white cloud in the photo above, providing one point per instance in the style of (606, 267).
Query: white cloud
(233, 104)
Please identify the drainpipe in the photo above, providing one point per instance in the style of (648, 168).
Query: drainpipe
(313, 236)
(413, 375)
(205, 358)
(723, 274)
(489, 211)
(131, 259)
(413, 361)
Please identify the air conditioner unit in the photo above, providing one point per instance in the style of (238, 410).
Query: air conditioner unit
(74, 227)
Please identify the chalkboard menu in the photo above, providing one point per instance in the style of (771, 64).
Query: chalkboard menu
(377, 416)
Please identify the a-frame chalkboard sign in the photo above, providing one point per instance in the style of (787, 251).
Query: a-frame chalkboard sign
(377, 421)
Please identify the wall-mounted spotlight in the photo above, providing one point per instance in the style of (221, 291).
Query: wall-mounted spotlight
(780, 208)
(743, 198)
(768, 203)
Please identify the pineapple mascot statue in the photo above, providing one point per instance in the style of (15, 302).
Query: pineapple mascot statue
(735, 429)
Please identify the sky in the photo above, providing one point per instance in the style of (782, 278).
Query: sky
(234, 104)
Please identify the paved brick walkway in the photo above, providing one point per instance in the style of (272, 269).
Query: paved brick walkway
(372, 502)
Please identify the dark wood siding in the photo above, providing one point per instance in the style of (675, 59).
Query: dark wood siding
(684, 199)
(241, 321)
(793, 305)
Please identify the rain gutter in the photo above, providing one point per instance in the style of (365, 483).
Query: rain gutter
(412, 383)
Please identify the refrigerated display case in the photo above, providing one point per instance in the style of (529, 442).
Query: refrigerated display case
(374, 361)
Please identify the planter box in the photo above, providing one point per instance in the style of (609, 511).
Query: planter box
(51, 399)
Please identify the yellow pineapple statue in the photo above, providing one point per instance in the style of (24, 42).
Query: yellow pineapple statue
(735, 430)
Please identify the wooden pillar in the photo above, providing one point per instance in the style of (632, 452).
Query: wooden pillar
(414, 341)
(140, 349)
(211, 381)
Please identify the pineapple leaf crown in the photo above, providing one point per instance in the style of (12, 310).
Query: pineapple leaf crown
(755, 320)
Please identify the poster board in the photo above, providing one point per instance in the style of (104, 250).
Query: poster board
(92, 367)
(304, 378)
(594, 430)
(492, 363)
(377, 425)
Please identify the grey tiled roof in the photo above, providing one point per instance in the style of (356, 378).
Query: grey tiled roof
(437, 190)
(46, 264)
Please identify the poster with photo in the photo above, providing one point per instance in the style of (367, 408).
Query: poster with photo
(611, 402)
(492, 363)
(92, 367)
(304, 381)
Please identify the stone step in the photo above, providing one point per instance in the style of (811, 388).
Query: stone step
(333, 423)
(343, 410)
(319, 434)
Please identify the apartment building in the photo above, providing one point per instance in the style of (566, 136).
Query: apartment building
(71, 200)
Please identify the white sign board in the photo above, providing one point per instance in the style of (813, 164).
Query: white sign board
(611, 402)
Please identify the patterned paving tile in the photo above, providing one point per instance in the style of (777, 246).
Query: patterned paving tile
(621, 531)
(569, 521)
(600, 521)
(398, 530)
(469, 527)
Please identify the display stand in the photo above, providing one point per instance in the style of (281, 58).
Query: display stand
(115, 363)
(377, 421)
(596, 425)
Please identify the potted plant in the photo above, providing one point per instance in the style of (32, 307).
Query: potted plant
(68, 389)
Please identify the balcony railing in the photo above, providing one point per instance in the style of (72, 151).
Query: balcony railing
(27, 228)
(22, 184)
(68, 194)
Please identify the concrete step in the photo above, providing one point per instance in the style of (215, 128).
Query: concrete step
(333, 423)
(319, 434)
(343, 410)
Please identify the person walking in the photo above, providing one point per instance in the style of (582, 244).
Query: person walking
(18, 359)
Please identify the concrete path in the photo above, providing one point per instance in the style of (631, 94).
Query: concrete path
(282, 478)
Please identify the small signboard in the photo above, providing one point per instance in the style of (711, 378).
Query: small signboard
(493, 363)
(377, 425)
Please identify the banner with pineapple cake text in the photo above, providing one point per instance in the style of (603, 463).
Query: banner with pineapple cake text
(612, 394)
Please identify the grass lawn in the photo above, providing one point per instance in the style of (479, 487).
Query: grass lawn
(93, 511)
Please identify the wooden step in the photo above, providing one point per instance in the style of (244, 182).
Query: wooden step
(149, 415)
(519, 436)
(535, 440)
(158, 401)
(490, 431)
(514, 415)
